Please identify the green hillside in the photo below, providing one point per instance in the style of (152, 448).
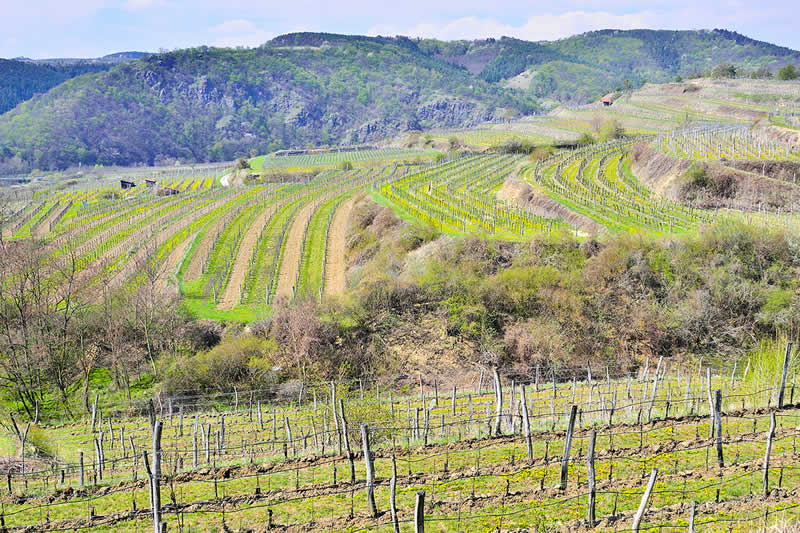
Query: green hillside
(582, 67)
(212, 104)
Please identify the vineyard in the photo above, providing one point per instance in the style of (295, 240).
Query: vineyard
(232, 252)
(672, 448)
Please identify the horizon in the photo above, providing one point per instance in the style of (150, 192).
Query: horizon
(47, 29)
(416, 38)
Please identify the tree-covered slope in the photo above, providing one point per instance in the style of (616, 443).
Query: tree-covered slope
(20, 80)
(209, 104)
(206, 104)
(582, 67)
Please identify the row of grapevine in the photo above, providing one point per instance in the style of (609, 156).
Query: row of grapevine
(596, 181)
(723, 142)
(455, 196)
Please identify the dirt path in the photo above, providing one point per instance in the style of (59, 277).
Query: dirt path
(44, 226)
(195, 267)
(241, 265)
(334, 265)
(166, 282)
(291, 255)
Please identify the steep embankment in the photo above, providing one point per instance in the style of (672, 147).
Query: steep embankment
(745, 185)
(527, 197)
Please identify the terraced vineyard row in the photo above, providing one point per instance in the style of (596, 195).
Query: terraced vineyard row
(335, 157)
(457, 196)
(596, 181)
(723, 142)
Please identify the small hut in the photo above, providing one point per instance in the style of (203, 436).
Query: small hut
(126, 184)
(150, 182)
(607, 101)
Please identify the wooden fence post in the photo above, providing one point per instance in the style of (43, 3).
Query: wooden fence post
(767, 453)
(526, 424)
(370, 466)
(691, 517)
(718, 425)
(637, 518)
(336, 418)
(419, 513)
(784, 372)
(591, 480)
(80, 468)
(155, 476)
(498, 400)
(567, 443)
(393, 496)
(346, 439)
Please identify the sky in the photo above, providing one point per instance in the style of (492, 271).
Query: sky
(91, 28)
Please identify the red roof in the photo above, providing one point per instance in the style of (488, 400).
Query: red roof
(606, 99)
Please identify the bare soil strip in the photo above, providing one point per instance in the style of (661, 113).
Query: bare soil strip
(291, 255)
(44, 226)
(335, 266)
(230, 298)
(166, 282)
(195, 267)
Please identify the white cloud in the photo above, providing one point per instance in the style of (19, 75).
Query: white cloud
(239, 32)
(143, 4)
(546, 26)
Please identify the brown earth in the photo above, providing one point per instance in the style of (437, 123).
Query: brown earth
(166, 281)
(731, 185)
(527, 197)
(517, 192)
(241, 265)
(335, 261)
(44, 226)
(292, 252)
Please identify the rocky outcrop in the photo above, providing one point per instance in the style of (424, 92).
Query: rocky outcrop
(452, 112)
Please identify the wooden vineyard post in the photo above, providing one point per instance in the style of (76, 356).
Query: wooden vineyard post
(691, 517)
(784, 372)
(154, 476)
(419, 513)
(767, 453)
(94, 412)
(453, 401)
(718, 425)
(637, 518)
(567, 443)
(590, 474)
(346, 439)
(370, 467)
(393, 496)
(526, 424)
(80, 468)
(498, 400)
(336, 418)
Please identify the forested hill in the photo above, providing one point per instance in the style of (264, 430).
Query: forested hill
(21, 79)
(581, 67)
(206, 104)
(212, 104)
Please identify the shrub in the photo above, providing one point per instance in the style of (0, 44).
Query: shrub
(611, 129)
(788, 72)
(696, 176)
(724, 70)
